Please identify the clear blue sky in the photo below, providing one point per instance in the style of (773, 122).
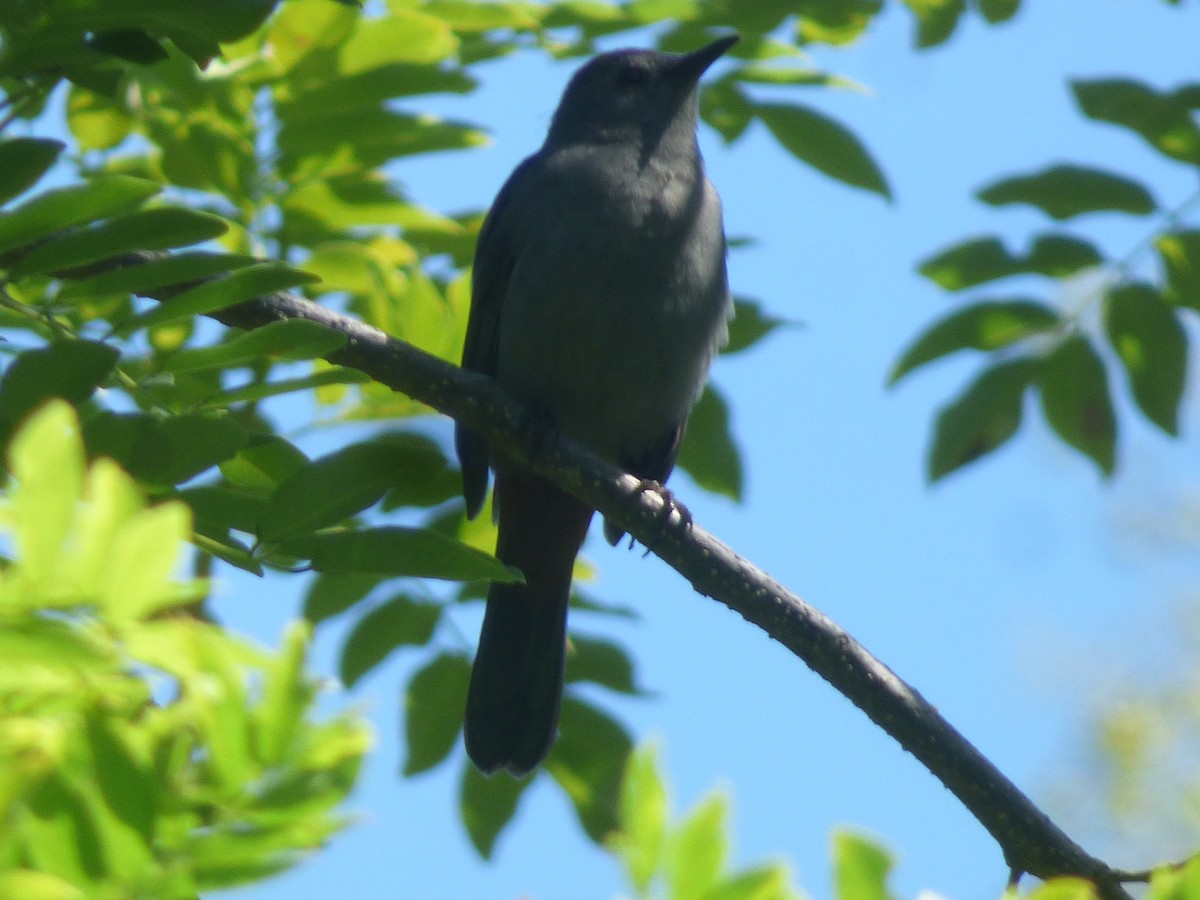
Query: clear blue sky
(995, 593)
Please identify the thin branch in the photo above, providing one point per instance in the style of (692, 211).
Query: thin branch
(1030, 841)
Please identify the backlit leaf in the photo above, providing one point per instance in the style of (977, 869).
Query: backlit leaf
(1064, 191)
(983, 326)
(1150, 341)
(824, 144)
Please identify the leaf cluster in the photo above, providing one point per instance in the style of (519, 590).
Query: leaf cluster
(145, 751)
(1122, 316)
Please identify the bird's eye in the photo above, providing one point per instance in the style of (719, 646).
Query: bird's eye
(632, 76)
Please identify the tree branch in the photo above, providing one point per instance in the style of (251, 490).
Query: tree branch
(1030, 841)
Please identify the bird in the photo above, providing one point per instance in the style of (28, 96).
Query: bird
(600, 296)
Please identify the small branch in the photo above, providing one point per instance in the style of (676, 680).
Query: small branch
(1030, 841)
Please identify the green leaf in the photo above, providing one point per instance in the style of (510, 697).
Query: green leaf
(68, 369)
(164, 451)
(996, 11)
(329, 490)
(602, 662)
(225, 505)
(769, 881)
(403, 36)
(264, 462)
(178, 268)
(126, 781)
(1075, 399)
(46, 459)
(588, 761)
(984, 326)
(433, 711)
(329, 595)
(396, 551)
(727, 108)
(147, 229)
(52, 211)
(750, 325)
(23, 161)
(398, 622)
(709, 453)
(130, 44)
(1065, 888)
(860, 868)
(252, 393)
(980, 260)
(824, 144)
(700, 851)
(425, 477)
(985, 416)
(641, 843)
(1163, 120)
(1150, 341)
(936, 19)
(290, 339)
(238, 286)
(1064, 191)
(487, 805)
(1180, 253)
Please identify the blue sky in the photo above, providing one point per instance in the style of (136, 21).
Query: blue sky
(1000, 594)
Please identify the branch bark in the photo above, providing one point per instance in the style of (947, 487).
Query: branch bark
(1030, 841)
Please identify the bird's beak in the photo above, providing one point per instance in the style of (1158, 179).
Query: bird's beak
(690, 66)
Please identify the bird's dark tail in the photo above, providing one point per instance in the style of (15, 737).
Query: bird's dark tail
(517, 680)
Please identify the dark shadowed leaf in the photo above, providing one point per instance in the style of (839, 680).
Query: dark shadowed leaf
(824, 144)
(709, 453)
(984, 326)
(982, 418)
(329, 595)
(237, 286)
(750, 325)
(398, 622)
(1065, 191)
(433, 711)
(23, 161)
(178, 268)
(487, 805)
(130, 44)
(164, 451)
(395, 550)
(55, 210)
(225, 505)
(329, 490)
(588, 761)
(145, 229)
(67, 369)
(1164, 120)
(424, 476)
(291, 339)
(602, 662)
(1147, 335)
(1180, 253)
(1076, 401)
(936, 19)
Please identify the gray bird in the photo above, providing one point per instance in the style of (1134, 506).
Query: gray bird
(599, 298)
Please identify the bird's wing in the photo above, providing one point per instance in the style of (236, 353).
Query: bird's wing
(495, 256)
